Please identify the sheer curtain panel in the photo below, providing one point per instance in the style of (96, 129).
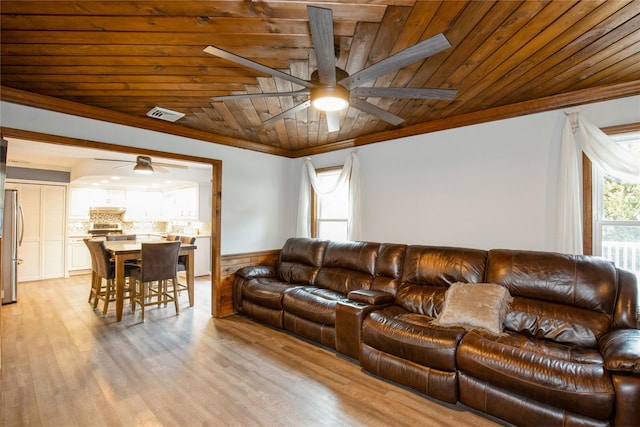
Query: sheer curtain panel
(602, 151)
(350, 175)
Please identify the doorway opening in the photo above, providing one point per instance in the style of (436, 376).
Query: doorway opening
(215, 196)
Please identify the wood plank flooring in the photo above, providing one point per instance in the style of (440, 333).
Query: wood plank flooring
(64, 364)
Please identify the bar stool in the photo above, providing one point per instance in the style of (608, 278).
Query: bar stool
(159, 261)
(103, 269)
(93, 292)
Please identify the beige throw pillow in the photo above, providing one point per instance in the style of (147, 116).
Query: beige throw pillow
(475, 306)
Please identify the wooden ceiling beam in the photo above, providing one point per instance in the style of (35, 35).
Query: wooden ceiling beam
(131, 70)
(370, 10)
(153, 38)
(168, 24)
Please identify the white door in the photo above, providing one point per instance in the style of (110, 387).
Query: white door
(29, 251)
(53, 220)
(41, 254)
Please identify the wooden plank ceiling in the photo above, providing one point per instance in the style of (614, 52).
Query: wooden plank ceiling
(130, 56)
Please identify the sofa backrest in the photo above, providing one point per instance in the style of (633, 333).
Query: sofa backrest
(347, 266)
(300, 260)
(389, 264)
(568, 299)
(428, 272)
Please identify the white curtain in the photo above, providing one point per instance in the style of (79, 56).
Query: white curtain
(350, 175)
(602, 151)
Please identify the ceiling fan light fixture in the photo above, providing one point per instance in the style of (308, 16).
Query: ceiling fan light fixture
(143, 169)
(330, 98)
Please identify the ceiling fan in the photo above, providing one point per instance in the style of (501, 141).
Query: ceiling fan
(331, 89)
(144, 165)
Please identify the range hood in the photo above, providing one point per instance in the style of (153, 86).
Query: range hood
(106, 210)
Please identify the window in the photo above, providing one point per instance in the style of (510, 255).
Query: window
(616, 212)
(330, 212)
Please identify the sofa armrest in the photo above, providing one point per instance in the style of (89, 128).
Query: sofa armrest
(370, 297)
(620, 349)
(350, 314)
(254, 271)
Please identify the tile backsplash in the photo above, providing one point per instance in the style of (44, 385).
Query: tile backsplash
(77, 228)
(107, 217)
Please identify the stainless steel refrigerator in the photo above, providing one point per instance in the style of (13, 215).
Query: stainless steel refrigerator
(12, 233)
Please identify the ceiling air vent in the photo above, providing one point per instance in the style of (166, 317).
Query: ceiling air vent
(164, 114)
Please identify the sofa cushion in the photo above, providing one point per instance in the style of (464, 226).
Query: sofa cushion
(412, 337)
(568, 299)
(471, 306)
(265, 292)
(388, 270)
(556, 322)
(421, 299)
(300, 260)
(564, 376)
(580, 281)
(312, 303)
(442, 266)
(347, 266)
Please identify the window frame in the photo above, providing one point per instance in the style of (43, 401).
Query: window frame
(588, 190)
(314, 200)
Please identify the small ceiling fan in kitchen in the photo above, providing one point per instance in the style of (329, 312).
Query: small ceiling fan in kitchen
(332, 89)
(144, 165)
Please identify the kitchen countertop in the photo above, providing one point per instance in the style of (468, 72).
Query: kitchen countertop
(143, 235)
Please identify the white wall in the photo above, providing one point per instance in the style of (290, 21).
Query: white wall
(485, 186)
(256, 188)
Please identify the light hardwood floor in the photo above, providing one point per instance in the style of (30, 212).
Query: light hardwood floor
(64, 364)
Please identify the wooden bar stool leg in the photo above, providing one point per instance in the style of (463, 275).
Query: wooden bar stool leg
(175, 294)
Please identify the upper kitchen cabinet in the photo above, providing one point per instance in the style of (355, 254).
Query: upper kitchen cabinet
(140, 205)
(144, 205)
(182, 204)
(81, 199)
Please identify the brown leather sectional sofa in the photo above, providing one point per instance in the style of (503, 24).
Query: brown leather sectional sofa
(569, 353)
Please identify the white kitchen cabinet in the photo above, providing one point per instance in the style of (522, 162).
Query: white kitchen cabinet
(81, 199)
(181, 204)
(202, 260)
(115, 198)
(53, 224)
(144, 205)
(78, 256)
(41, 254)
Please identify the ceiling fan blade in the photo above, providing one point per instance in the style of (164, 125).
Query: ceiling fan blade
(333, 121)
(404, 92)
(321, 23)
(289, 112)
(160, 169)
(116, 160)
(211, 50)
(125, 166)
(260, 95)
(418, 51)
(169, 165)
(375, 111)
